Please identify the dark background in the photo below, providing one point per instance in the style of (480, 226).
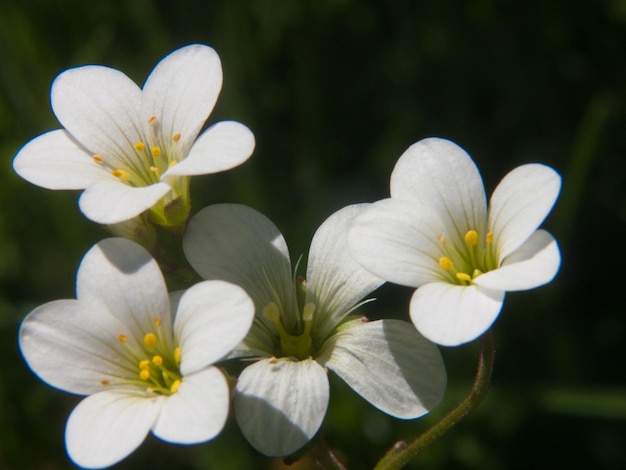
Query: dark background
(335, 91)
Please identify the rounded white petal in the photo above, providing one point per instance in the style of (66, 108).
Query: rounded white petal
(111, 202)
(280, 404)
(197, 411)
(55, 161)
(221, 147)
(122, 276)
(182, 90)
(99, 107)
(520, 203)
(441, 175)
(533, 264)
(391, 365)
(451, 315)
(72, 345)
(212, 318)
(335, 282)
(397, 241)
(106, 427)
(237, 244)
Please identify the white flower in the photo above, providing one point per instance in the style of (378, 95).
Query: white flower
(133, 149)
(302, 328)
(436, 233)
(142, 369)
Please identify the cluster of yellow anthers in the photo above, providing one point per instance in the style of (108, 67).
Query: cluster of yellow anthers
(298, 346)
(158, 368)
(153, 160)
(469, 262)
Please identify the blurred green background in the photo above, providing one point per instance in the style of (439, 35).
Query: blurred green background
(335, 91)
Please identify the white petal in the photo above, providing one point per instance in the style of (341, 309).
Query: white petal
(440, 174)
(55, 161)
(197, 411)
(390, 365)
(111, 202)
(451, 315)
(533, 264)
(106, 427)
(182, 90)
(281, 404)
(72, 345)
(335, 282)
(237, 244)
(212, 318)
(99, 107)
(221, 147)
(520, 203)
(397, 241)
(123, 276)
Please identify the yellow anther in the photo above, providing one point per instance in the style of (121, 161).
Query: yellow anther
(154, 169)
(157, 360)
(99, 159)
(158, 321)
(139, 146)
(121, 174)
(150, 340)
(144, 365)
(176, 137)
(442, 240)
(155, 151)
(445, 262)
(104, 382)
(152, 119)
(476, 273)
(122, 338)
(177, 355)
(172, 163)
(489, 237)
(175, 386)
(144, 374)
(471, 237)
(463, 277)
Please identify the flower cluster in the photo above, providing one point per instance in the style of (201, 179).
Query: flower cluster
(145, 358)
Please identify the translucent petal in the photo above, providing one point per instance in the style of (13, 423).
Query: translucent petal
(397, 241)
(237, 244)
(111, 202)
(520, 203)
(212, 318)
(533, 264)
(99, 107)
(182, 90)
(335, 281)
(451, 315)
(106, 427)
(389, 364)
(197, 411)
(55, 161)
(221, 147)
(122, 276)
(280, 404)
(441, 175)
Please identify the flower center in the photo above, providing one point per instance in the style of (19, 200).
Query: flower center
(154, 366)
(461, 265)
(298, 346)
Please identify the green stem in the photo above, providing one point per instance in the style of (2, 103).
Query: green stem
(324, 456)
(401, 453)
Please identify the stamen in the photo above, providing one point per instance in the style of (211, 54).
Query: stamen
(158, 321)
(463, 277)
(442, 240)
(144, 365)
(177, 355)
(152, 119)
(471, 237)
(122, 338)
(489, 237)
(139, 146)
(176, 137)
(104, 382)
(154, 169)
(446, 263)
(157, 360)
(121, 174)
(99, 159)
(476, 273)
(144, 374)
(150, 340)
(172, 163)
(155, 151)
(175, 386)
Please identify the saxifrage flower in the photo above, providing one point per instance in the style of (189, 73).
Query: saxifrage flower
(134, 150)
(304, 327)
(142, 368)
(437, 233)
